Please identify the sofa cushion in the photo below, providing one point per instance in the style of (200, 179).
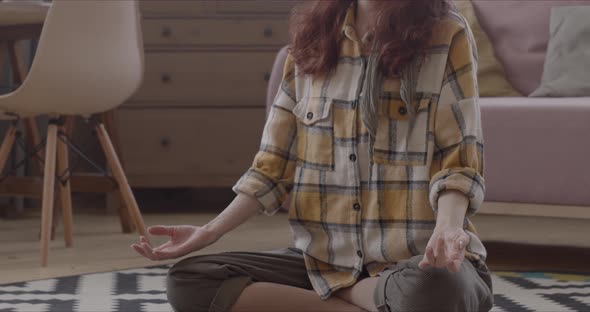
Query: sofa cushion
(567, 65)
(536, 150)
(519, 31)
(490, 72)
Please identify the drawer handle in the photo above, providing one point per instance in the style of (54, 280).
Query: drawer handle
(166, 32)
(165, 142)
(268, 32)
(166, 78)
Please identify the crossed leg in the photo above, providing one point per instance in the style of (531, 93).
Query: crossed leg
(277, 281)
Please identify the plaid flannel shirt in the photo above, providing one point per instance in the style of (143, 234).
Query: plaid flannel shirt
(352, 208)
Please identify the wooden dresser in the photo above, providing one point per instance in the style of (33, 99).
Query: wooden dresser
(197, 120)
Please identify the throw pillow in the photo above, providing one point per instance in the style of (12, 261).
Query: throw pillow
(519, 32)
(567, 64)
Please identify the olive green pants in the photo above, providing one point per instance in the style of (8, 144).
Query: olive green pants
(214, 282)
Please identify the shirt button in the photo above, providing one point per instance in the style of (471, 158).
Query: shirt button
(356, 207)
(352, 157)
(309, 115)
(359, 253)
(402, 111)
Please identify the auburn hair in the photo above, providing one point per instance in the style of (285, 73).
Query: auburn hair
(403, 28)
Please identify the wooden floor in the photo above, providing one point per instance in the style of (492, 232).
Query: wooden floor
(100, 246)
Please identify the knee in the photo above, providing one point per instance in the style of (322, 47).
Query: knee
(172, 291)
(433, 290)
(187, 290)
(413, 289)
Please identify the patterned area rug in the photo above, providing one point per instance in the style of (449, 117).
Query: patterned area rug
(144, 290)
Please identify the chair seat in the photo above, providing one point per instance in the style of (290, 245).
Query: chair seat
(32, 103)
(23, 12)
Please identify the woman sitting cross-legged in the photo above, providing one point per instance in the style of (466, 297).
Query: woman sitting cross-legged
(376, 134)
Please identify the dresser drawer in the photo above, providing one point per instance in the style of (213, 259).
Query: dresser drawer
(206, 78)
(220, 7)
(217, 32)
(151, 8)
(189, 142)
(255, 6)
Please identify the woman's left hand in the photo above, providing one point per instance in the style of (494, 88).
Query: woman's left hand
(445, 249)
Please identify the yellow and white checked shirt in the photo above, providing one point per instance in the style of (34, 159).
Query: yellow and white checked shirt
(351, 208)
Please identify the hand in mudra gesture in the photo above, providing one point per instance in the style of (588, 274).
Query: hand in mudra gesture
(445, 249)
(184, 239)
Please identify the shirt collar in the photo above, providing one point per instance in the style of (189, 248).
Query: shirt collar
(348, 27)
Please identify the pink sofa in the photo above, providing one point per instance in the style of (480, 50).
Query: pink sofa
(536, 149)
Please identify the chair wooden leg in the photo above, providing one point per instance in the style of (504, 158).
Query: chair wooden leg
(56, 213)
(122, 182)
(48, 191)
(65, 192)
(19, 71)
(7, 146)
(108, 119)
(114, 199)
(5, 150)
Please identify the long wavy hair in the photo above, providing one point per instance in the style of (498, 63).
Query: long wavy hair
(404, 27)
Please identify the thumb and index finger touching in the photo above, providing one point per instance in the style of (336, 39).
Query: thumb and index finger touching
(430, 256)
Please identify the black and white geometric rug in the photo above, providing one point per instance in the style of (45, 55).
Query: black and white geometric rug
(126, 291)
(143, 290)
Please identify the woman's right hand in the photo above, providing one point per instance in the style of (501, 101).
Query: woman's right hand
(184, 239)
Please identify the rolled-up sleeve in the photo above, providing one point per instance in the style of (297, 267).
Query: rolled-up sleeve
(270, 178)
(458, 160)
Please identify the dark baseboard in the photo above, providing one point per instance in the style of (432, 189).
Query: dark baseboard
(527, 257)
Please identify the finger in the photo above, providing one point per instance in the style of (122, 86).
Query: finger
(139, 249)
(424, 263)
(454, 266)
(430, 255)
(428, 259)
(459, 254)
(174, 251)
(148, 249)
(142, 239)
(165, 245)
(439, 254)
(161, 230)
(453, 251)
(170, 253)
(455, 255)
(460, 244)
(146, 253)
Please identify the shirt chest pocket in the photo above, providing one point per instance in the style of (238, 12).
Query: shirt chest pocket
(315, 133)
(397, 141)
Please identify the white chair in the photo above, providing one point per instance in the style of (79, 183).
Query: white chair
(89, 60)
